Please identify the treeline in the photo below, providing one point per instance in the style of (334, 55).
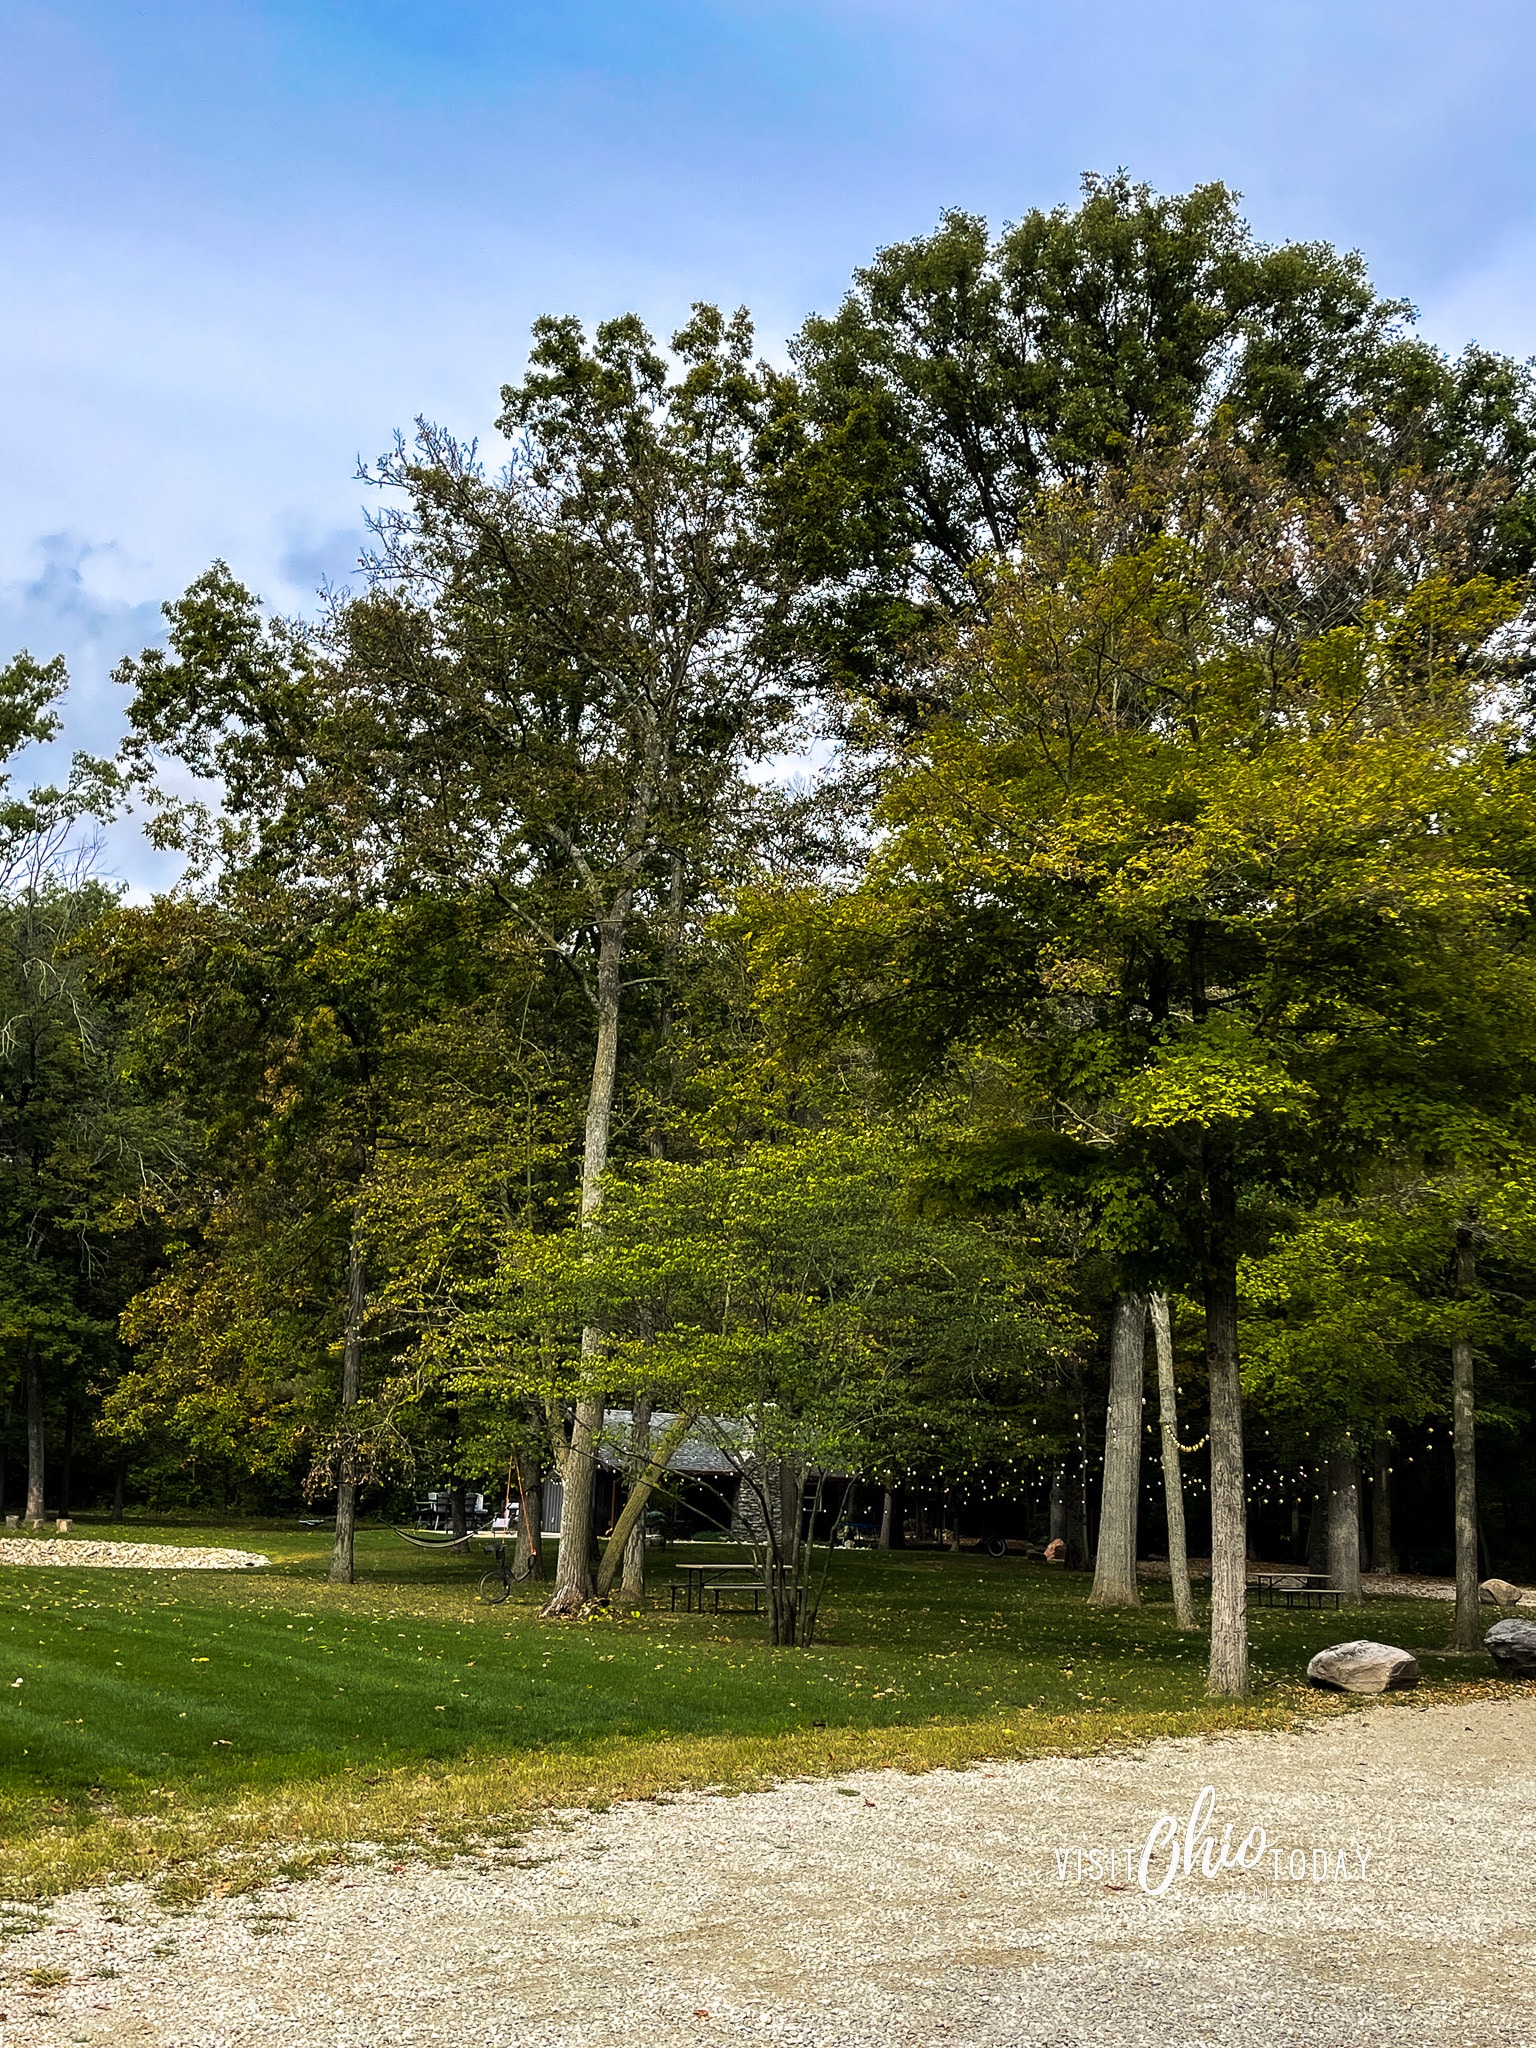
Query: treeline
(525, 1042)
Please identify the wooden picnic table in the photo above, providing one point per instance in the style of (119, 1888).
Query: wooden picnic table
(1305, 1589)
(716, 1578)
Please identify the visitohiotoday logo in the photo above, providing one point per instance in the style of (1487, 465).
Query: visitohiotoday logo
(1190, 1847)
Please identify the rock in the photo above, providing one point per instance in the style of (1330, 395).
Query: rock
(1365, 1667)
(1056, 1551)
(1512, 1645)
(1499, 1593)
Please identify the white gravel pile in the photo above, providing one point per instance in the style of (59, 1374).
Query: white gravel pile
(881, 1911)
(161, 1557)
(1404, 1585)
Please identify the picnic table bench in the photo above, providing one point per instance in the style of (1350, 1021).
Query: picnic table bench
(700, 1579)
(1296, 1589)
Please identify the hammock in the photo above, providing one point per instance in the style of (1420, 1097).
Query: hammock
(433, 1542)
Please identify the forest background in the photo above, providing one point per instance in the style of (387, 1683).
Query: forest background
(521, 1044)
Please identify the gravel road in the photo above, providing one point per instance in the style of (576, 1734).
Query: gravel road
(880, 1911)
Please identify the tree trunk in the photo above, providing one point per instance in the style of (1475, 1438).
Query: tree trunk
(632, 1572)
(574, 1585)
(36, 1442)
(1317, 1531)
(632, 1576)
(1114, 1579)
(887, 1516)
(5, 1433)
(342, 1569)
(633, 1515)
(66, 1463)
(1467, 1631)
(1227, 1673)
(1079, 1532)
(786, 1497)
(782, 1500)
(1173, 1475)
(458, 1511)
(1343, 1483)
(528, 1551)
(1058, 1522)
(119, 1490)
(1078, 1559)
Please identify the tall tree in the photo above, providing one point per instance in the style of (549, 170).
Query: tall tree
(1173, 1480)
(276, 1021)
(1114, 1577)
(288, 890)
(967, 375)
(1467, 1626)
(69, 1136)
(565, 651)
(1196, 867)
(75, 1148)
(1342, 1480)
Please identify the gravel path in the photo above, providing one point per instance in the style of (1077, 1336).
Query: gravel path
(1395, 1585)
(1376, 1585)
(883, 1912)
(161, 1557)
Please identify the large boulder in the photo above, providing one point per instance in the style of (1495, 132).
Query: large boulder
(1364, 1667)
(1499, 1593)
(1512, 1645)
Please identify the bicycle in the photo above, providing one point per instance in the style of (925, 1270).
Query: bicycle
(496, 1585)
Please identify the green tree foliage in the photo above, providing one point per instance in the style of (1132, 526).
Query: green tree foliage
(967, 374)
(80, 1158)
(785, 1298)
(279, 1024)
(1348, 1319)
(76, 1150)
(1202, 881)
(567, 651)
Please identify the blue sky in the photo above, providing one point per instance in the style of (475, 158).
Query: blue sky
(241, 243)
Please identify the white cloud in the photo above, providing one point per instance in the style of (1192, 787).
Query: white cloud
(67, 601)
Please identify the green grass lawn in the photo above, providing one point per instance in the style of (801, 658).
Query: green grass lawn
(163, 1718)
